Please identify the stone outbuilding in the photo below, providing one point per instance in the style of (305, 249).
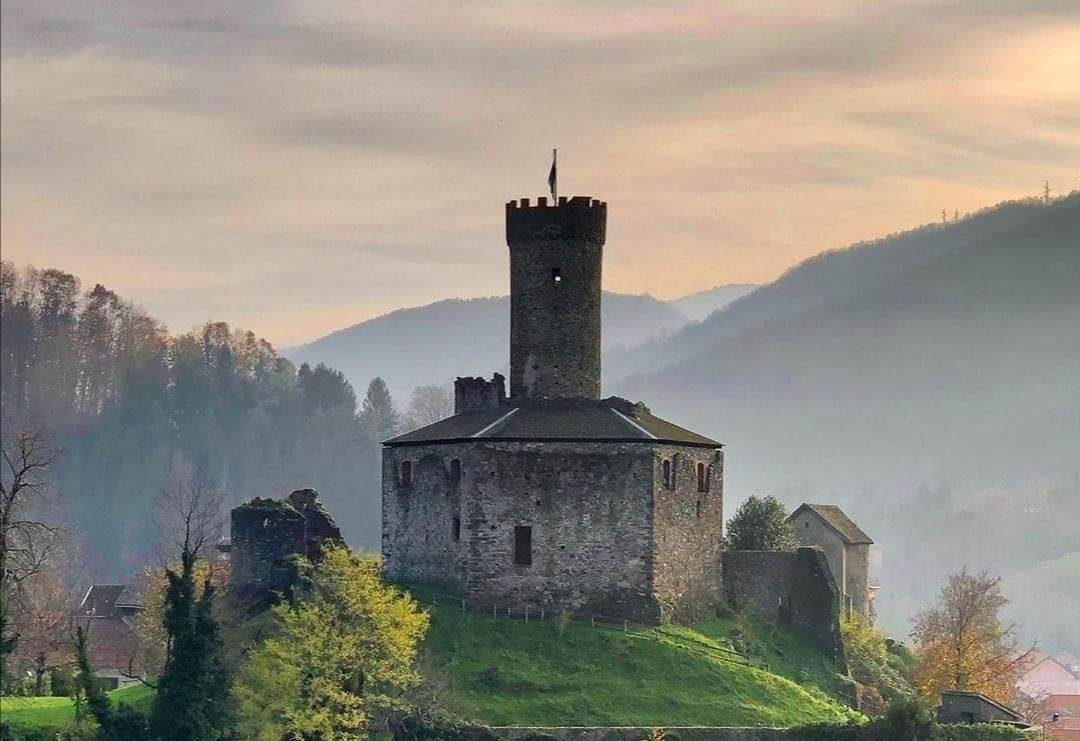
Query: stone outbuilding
(847, 549)
(551, 498)
(974, 707)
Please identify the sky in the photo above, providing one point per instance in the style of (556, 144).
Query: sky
(294, 168)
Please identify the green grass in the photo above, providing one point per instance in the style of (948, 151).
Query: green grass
(25, 713)
(504, 672)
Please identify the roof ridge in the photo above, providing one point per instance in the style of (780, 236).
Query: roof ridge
(632, 423)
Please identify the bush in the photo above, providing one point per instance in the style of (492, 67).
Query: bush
(980, 732)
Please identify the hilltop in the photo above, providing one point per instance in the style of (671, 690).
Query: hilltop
(501, 671)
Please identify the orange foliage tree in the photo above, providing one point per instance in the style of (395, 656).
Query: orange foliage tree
(962, 643)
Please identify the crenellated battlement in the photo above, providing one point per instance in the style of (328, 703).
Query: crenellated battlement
(576, 219)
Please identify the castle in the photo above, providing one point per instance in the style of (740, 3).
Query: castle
(551, 498)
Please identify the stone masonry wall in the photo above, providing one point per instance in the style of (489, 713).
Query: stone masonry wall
(688, 531)
(264, 533)
(589, 508)
(795, 588)
(555, 272)
(418, 518)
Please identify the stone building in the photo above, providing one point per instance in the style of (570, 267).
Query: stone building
(847, 549)
(551, 497)
(266, 533)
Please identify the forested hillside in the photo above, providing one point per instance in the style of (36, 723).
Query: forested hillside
(940, 409)
(433, 344)
(125, 401)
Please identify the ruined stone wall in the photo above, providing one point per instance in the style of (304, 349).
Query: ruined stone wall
(796, 588)
(850, 565)
(555, 275)
(688, 531)
(418, 517)
(589, 507)
(265, 533)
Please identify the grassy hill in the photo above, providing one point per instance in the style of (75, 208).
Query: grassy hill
(30, 713)
(506, 672)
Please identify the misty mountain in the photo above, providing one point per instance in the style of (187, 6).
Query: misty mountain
(699, 305)
(954, 369)
(462, 337)
(836, 275)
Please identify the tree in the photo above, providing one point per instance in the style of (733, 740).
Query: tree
(962, 643)
(190, 510)
(761, 524)
(192, 701)
(378, 416)
(27, 541)
(337, 658)
(429, 404)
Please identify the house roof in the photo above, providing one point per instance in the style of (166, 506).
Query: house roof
(989, 701)
(835, 518)
(565, 420)
(106, 599)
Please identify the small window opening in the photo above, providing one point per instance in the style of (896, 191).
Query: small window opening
(455, 472)
(806, 525)
(698, 509)
(456, 528)
(556, 276)
(406, 473)
(669, 480)
(523, 545)
(702, 478)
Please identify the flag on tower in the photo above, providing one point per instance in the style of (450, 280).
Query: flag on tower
(553, 183)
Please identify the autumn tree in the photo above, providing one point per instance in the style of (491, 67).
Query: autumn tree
(962, 643)
(761, 524)
(338, 659)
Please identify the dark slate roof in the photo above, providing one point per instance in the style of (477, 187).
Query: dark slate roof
(835, 518)
(570, 420)
(106, 599)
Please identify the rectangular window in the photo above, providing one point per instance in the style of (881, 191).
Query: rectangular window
(457, 528)
(556, 276)
(523, 545)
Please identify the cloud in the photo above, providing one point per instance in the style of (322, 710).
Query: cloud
(357, 155)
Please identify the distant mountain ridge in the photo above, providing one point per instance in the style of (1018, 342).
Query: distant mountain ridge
(698, 306)
(847, 273)
(433, 344)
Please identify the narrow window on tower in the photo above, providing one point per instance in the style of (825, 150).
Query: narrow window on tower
(668, 480)
(456, 528)
(556, 276)
(702, 477)
(406, 474)
(523, 545)
(455, 473)
(698, 509)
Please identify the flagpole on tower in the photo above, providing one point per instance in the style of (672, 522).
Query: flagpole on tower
(553, 177)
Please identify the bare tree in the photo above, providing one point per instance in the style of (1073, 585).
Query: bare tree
(190, 512)
(26, 539)
(429, 404)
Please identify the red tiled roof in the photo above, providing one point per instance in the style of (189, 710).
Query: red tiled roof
(112, 644)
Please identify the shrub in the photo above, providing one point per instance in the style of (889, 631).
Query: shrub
(980, 732)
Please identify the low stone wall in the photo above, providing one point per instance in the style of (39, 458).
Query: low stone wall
(795, 588)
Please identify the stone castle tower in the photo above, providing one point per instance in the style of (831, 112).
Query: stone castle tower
(555, 263)
(553, 498)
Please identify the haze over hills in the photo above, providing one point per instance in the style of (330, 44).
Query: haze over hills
(904, 380)
(699, 305)
(433, 344)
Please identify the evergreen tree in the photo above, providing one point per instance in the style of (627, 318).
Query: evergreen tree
(761, 524)
(378, 416)
(192, 700)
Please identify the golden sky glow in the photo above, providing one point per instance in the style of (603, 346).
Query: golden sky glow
(295, 169)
